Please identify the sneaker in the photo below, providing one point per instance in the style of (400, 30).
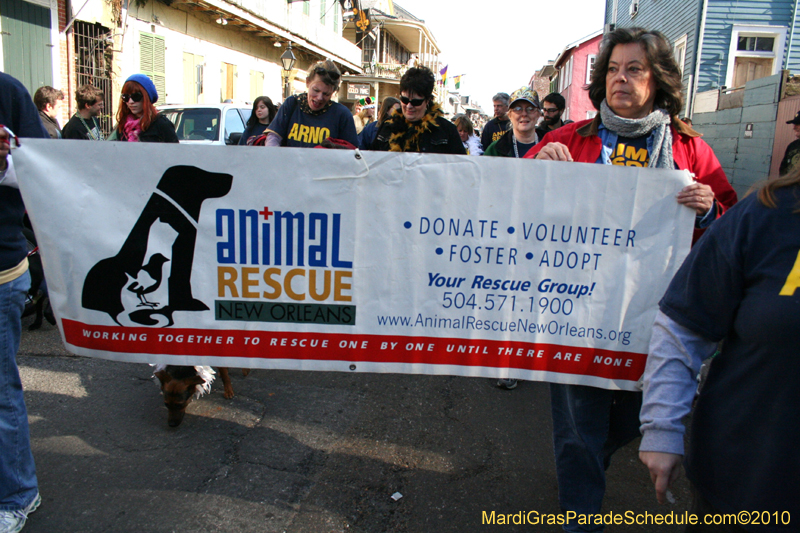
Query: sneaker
(507, 384)
(14, 521)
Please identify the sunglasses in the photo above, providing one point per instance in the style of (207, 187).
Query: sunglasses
(416, 102)
(136, 97)
(324, 72)
(522, 109)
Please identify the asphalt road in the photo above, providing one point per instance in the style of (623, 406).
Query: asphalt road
(296, 452)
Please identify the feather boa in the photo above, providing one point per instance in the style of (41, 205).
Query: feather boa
(205, 372)
(473, 146)
(405, 136)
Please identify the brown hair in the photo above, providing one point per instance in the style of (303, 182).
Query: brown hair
(386, 107)
(87, 95)
(766, 189)
(327, 72)
(658, 51)
(46, 95)
(149, 111)
(465, 124)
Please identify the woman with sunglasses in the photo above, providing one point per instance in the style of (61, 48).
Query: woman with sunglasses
(306, 120)
(524, 111)
(137, 118)
(421, 127)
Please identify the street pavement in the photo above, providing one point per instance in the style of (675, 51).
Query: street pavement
(296, 452)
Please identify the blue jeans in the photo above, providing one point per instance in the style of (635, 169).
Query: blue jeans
(589, 425)
(18, 485)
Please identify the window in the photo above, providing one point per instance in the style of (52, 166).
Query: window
(589, 67)
(306, 7)
(755, 52)
(322, 10)
(233, 123)
(679, 52)
(566, 71)
(336, 16)
(756, 44)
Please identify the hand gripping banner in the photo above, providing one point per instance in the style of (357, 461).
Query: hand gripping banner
(337, 260)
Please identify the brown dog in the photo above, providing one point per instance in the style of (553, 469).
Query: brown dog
(180, 383)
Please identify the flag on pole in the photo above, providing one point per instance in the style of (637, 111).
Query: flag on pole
(443, 72)
(457, 80)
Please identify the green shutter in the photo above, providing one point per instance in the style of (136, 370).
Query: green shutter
(152, 61)
(336, 18)
(27, 50)
(322, 12)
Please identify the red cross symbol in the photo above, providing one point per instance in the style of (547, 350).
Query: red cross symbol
(266, 212)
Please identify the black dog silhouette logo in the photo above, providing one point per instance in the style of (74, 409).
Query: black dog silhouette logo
(147, 281)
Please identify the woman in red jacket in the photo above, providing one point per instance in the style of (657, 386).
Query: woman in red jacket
(636, 87)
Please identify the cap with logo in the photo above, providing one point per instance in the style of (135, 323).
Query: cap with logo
(527, 94)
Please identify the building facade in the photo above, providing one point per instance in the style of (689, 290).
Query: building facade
(196, 51)
(569, 74)
(717, 43)
(391, 40)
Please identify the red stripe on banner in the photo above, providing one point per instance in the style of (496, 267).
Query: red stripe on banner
(357, 348)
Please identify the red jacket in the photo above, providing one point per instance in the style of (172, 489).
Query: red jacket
(689, 151)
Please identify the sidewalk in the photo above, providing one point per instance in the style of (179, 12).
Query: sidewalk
(295, 452)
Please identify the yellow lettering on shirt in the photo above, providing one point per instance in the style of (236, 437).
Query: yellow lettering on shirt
(309, 134)
(629, 156)
(793, 280)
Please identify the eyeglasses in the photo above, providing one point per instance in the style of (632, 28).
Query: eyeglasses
(322, 71)
(416, 102)
(136, 97)
(550, 110)
(520, 109)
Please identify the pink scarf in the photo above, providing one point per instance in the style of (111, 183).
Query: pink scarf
(132, 128)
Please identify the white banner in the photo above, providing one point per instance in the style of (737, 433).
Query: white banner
(334, 260)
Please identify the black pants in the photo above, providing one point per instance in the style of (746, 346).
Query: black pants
(702, 507)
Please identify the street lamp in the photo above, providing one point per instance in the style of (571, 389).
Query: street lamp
(287, 60)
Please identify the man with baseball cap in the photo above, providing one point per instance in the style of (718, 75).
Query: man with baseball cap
(792, 155)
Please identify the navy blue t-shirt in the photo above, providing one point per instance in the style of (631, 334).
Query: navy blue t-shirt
(741, 283)
(303, 130)
(493, 130)
(630, 152)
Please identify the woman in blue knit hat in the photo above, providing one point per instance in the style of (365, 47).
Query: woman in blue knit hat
(137, 118)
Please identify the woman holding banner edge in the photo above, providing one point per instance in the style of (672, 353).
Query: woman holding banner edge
(636, 87)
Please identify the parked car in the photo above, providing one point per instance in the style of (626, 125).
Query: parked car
(207, 123)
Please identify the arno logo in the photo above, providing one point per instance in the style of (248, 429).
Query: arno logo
(150, 278)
